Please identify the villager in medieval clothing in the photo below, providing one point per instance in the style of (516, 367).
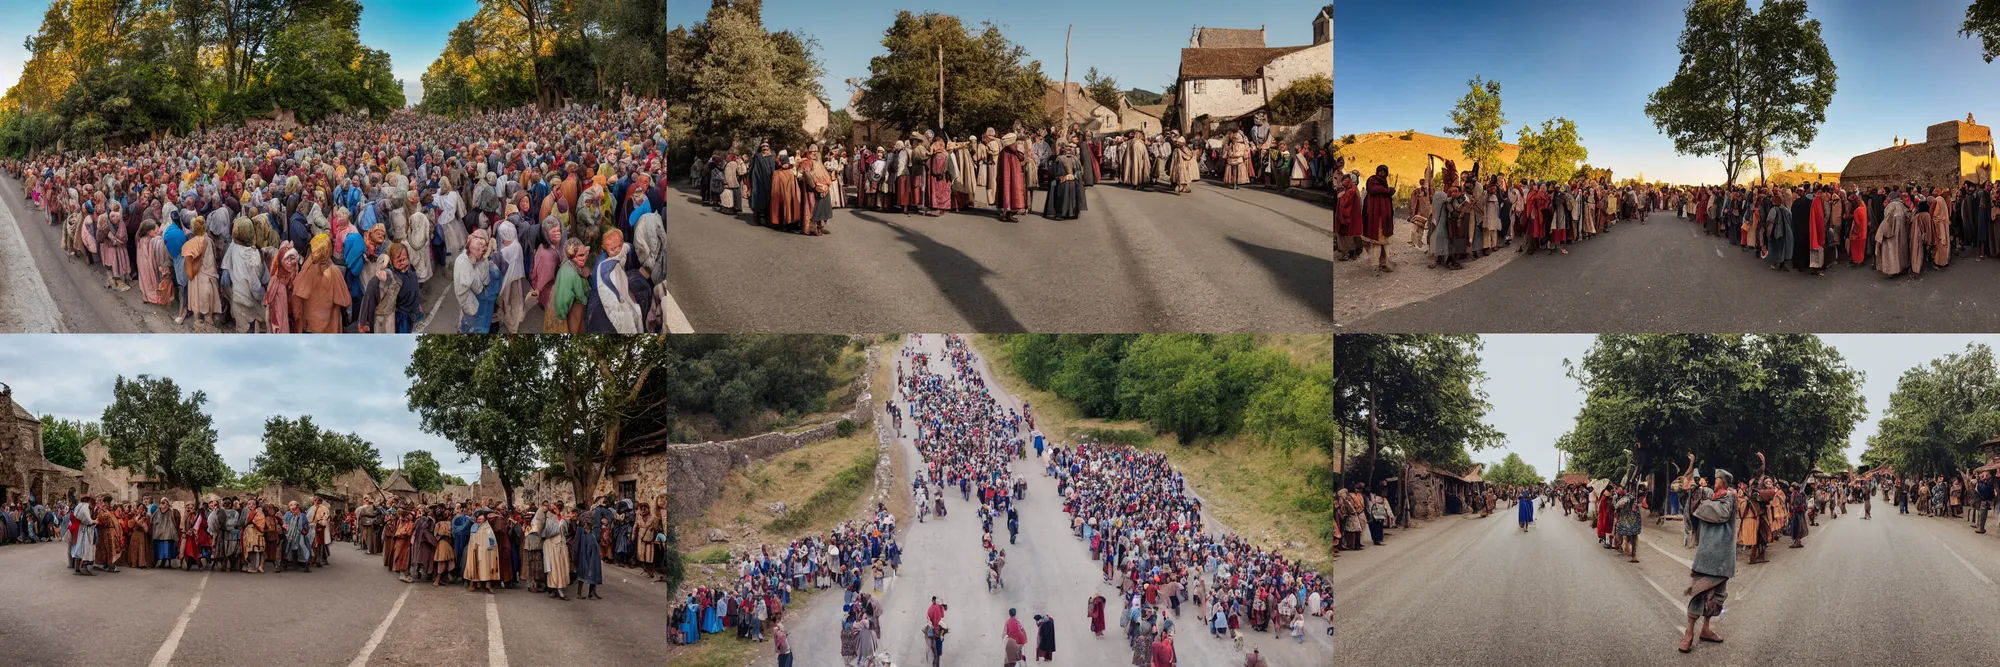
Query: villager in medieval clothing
(1891, 238)
(586, 555)
(1941, 237)
(555, 530)
(1010, 181)
(254, 532)
(422, 543)
(1138, 168)
(505, 536)
(482, 555)
(1715, 513)
(784, 204)
(532, 563)
(939, 184)
(298, 544)
(166, 531)
(1236, 160)
(83, 548)
(1065, 201)
(1920, 231)
(1187, 165)
(138, 536)
(761, 169)
(322, 530)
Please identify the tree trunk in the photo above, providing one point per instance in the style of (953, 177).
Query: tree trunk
(1374, 438)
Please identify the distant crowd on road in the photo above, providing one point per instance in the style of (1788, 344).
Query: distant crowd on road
(1462, 217)
(332, 227)
(931, 173)
(1898, 230)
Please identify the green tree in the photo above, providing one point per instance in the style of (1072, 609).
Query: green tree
(1938, 415)
(988, 80)
(1102, 88)
(1748, 82)
(1651, 400)
(1139, 97)
(1982, 20)
(63, 440)
(151, 429)
(1416, 393)
(1477, 120)
(1551, 154)
(742, 82)
(453, 480)
(1512, 471)
(422, 471)
(606, 394)
(488, 395)
(298, 452)
(1299, 101)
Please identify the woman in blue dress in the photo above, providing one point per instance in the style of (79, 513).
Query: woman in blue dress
(1527, 505)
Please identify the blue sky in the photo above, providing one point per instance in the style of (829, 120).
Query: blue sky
(1138, 44)
(1398, 70)
(1535, 402)
(412, 31)
(346, 383)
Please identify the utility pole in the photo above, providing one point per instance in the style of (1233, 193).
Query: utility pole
(1065, 87)
(940, 125)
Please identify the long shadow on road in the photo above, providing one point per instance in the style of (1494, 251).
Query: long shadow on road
(961, 279)
(1306, 278)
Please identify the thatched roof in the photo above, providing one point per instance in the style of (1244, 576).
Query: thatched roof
(399, 484)
(1922, 162)
(1230, 63)
(1154, 110)
(1230, 38)
(1080, 103)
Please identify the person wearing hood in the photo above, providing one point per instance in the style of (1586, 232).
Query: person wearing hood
(319, 292)
(614, 303)
(380, 290)
(1715, 514)
(511, 306)
(476, 285)
(244, 266)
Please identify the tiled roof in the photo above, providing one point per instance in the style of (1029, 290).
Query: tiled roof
(1230, 63)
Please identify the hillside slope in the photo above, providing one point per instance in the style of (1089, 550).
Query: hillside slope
(1407, 159)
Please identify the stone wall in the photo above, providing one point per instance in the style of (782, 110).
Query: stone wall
(695, 471)
(20, 449)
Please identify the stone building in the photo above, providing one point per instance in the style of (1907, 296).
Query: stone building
(1144, 118)
(1228, 75)
(1951, 153)
(24, 473)
(816, 114)
(1082, 109)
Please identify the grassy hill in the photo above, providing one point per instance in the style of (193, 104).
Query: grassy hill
(1407, 158)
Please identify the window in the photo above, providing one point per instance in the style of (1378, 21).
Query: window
(1249, 86)
(629, 490)
(1200, 87)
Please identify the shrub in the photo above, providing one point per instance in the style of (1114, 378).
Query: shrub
(844, 428)
(1119, 436)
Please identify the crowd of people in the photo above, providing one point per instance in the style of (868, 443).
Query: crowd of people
(1144, 527)
(849, 557)
(1463, 217)
(930, 173)
(333, 227)
(548, 548)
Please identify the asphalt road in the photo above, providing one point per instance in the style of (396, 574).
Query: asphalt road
(1459, 591)
(1212, 260)
(44, 290)
(330, 616)
(1667, 276)
(1049, 572)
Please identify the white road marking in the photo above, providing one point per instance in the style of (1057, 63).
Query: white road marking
(1683, 561)
(1961, 560)
(32, 288)
(166, 652)
(382, 629)
(496, 646)
(1678, 605)
(677, 321)
(435, 307)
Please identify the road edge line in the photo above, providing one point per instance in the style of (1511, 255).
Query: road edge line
(166, 653)
(381, 629)
(19, 241)
(677, 321)
(496, 645)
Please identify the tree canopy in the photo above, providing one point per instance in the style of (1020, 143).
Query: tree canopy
(547, 52)
(421, 469)
(151, 429)
(1102, 88)
(111, 72)
(1749, 82)
(1938, 415)
(63, 440)
(1551, 154)
(1297, 102)
(1512, 471)
(482, 394)
(988, 80)
(736, 82)
(1651, 400)
(1191, 385)
(738, 378)
(298, 452)
(1477, 120)
(1982, 20)
(1419, 394)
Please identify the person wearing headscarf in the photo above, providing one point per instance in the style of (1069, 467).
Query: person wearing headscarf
(448, 219)
(381, 288)
(570, 303)
(116, 259)
(156, 270)
(785, 206)
(320, 291)
(511, 306)
(278, 304)
(613, 307)
(203, 297)
(472, 274)
(245, 265)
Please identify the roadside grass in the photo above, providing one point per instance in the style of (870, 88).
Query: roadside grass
(1273, 498)
(839, 492)
(795, 478)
